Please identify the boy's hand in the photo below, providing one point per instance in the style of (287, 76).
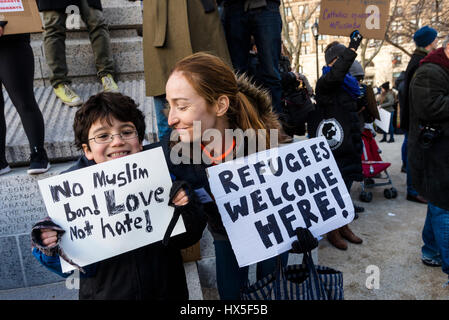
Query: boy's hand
(49, 237)
(356, 38)
(180, 198)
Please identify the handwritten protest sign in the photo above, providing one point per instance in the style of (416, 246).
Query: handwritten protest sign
(22, 16)
(340, 17)
(384, 122)
(111, 208)
(264, 197)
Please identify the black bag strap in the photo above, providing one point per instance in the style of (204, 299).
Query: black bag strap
(319, 293)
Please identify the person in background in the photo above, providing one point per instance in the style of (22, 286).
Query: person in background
(428, 154)
(54, 17)
(17, 75)
(426, 41)
(262, 20)
(386, 101)
(337, 93)
(172, 31)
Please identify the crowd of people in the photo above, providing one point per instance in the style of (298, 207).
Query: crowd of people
(244, 81)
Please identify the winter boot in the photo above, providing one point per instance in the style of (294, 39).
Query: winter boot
(336, 240)
(346, 233)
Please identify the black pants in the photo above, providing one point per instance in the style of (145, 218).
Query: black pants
(16, 75)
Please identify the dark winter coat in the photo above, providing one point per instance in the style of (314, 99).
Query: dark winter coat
(152, 272)
(413, 64)
(48, 5)
(429, 104)
(334, 100)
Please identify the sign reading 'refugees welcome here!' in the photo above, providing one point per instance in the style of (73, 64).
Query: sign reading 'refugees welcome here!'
(341, 17)
(111, 208)
(264, 197)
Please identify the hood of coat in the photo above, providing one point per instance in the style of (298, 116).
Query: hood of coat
(437, 57)
(261, 100)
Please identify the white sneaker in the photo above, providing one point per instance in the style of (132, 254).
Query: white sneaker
(5, 170)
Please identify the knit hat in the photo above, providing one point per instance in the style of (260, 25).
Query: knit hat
(424, 36)
(386, 85)
(356, 69)
(334, 52)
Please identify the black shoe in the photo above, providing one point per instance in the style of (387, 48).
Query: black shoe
(416, 198)
(358, 209)
(383, 140)
(403, 169)
(390, 141)
(39, 161)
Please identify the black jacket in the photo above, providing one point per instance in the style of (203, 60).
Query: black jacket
(335, 102)
(429, 104)
(48, 5)
(154, 272)
(413, 64)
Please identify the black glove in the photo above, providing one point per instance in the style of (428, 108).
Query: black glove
(356, 37)
(306, 241)
(192, 213)
(3, 23)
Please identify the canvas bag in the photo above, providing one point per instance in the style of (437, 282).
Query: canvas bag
(298, 282)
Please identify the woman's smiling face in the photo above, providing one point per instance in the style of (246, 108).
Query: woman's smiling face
(187, 106)
(117, 148)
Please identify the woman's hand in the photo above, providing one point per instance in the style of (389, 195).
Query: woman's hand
(49, 237)
(180, 198)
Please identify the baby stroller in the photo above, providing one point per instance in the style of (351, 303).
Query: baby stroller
(374, 168)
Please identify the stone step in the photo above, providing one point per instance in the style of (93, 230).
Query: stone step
(59, 121)
(127, 53)
(21, 207)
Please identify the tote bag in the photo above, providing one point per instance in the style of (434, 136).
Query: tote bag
(298, 282)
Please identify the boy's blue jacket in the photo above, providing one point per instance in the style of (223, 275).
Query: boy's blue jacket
(153, 272)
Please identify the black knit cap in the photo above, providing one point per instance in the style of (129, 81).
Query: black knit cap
(334, 52)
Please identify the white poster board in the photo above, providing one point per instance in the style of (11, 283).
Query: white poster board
(264, 197)
(11, 6)
(384, 122)
(111, 208)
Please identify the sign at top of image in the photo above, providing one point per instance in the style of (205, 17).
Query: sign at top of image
(341, 17)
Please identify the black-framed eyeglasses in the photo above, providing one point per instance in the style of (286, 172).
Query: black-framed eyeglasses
(107, 138)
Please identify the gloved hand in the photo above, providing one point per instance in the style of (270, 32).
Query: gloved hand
(306, 241)
(356, 38)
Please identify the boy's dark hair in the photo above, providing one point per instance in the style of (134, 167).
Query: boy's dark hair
(104, 106)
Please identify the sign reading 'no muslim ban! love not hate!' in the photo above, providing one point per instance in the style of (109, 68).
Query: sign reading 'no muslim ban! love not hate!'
(341, 17)
(264, 197)
(111, 208)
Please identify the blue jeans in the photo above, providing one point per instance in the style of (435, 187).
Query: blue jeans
(161, 118)
(230, 278)
(435, 235)
(265, 25)
(391, 129)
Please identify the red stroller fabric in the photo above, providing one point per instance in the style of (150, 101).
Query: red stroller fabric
(372, 163)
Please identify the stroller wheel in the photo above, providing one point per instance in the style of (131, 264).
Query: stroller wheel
(394, 192)
(388, 193)
(366, 196)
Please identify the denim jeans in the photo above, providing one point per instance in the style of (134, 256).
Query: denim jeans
(391, 129)
(265, 25)
(161, 118)
(435, 235)
(54, 42)
(230, 278)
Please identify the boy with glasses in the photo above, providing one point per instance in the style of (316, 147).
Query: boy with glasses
(110, 126)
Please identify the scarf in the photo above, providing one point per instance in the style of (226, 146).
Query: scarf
(350, 84)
